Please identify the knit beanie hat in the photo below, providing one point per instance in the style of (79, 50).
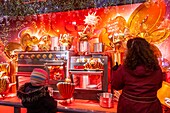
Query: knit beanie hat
(38, 77)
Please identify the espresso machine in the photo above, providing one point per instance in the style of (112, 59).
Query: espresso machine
(90, 75)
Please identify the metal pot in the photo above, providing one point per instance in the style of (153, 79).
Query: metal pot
(106, 100)
(98, 47)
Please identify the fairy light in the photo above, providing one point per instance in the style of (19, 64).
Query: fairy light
(57, 30)
(74, 23)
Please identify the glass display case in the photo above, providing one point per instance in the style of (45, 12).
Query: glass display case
(90, 75)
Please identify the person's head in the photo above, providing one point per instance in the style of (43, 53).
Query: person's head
(38, 77)
(139, 52)
(129, 43)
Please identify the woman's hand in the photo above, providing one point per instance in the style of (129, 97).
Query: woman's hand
(114, 68)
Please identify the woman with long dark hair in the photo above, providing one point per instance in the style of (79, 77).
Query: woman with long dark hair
(139, 78)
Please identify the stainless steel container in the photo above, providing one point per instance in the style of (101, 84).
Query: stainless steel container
(98, 47)
(61, 48)
(106, 100)
(83, 46)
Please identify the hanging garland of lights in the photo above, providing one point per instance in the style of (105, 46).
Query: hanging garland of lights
(13, 12)
(30, 7)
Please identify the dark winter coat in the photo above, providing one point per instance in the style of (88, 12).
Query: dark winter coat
(139, 89)
(36, 99)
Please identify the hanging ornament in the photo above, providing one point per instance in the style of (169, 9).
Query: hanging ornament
(142, 22)
(91, 19)
(10, 49)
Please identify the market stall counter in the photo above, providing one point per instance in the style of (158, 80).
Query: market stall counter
(77, 106)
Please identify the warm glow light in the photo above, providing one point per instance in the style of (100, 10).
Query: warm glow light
(118, 14)
(41, 42)
(74, 23)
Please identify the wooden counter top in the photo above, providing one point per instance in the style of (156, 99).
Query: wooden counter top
(77, 106)
(90, 106)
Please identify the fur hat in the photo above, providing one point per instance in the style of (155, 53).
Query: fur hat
(38, 77)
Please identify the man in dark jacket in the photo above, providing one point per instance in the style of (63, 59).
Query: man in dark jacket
(35, 95)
